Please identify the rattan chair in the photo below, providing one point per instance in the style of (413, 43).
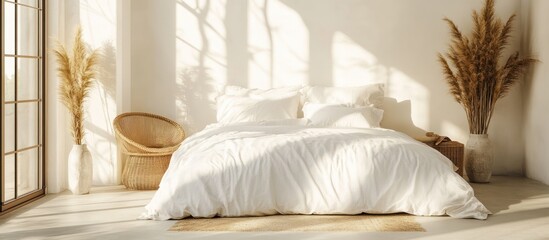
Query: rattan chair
(146, 143)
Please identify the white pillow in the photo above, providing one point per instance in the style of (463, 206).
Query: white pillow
(267, 93)
(235, 109)
(368, 95)
(329, 115)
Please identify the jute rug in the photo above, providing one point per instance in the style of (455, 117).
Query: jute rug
(302, 223)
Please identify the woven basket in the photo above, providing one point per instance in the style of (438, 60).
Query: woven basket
(146, 143)
(452, 150)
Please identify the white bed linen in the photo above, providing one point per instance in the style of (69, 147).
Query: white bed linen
(262, 169)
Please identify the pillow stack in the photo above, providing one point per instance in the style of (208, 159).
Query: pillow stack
(359, 107)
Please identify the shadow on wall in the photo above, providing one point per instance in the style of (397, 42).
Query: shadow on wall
(195, 82)
(99, 123)
(236, 25)
(195, 103)
(348, 44)
(154, 76)
(404, 38)
(272, 43)
(397, 115)
(395, 39)
(106, 69)
(253, 28)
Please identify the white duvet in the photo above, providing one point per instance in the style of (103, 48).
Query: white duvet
(253, 169)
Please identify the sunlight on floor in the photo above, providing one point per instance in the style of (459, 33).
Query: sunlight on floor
(520, 207)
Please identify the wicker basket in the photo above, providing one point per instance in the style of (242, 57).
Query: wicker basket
(452, 150)
(146, 143)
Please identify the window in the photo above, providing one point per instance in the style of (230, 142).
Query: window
(22, 121)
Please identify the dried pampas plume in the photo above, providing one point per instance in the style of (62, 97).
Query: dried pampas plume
(76, 73)
(472, 69)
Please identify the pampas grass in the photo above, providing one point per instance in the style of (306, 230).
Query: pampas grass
(76, 73)
(473, 70)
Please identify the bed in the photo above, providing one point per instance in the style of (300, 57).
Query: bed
(334, 160)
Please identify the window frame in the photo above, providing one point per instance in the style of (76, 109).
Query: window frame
(41, 165)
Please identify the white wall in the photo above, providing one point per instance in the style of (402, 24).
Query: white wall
(56, 130)
(536, 38)
(184, 51)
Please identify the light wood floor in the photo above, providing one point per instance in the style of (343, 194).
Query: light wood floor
(520, 206)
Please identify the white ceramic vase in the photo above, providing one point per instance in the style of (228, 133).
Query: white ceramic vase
(80, 169)
(479, 158)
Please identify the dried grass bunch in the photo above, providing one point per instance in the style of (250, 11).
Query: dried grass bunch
(472, 66)
(77, 73)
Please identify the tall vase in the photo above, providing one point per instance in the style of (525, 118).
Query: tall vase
(479, 158)
(80, 169)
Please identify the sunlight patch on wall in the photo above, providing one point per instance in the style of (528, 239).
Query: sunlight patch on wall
(188, 39)
(98, 21)
(353, 65)
(271, 47)
(407, 104)
(402, 87)
(278, 45)
(201, 60)
(200, 34)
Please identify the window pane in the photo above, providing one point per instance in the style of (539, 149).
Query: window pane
(27, 125)
(27, 31)
(10, 177)
(9, 128)
(9, 76)
(27, 169)
(27, 79)
(33, 3)
(9, 34)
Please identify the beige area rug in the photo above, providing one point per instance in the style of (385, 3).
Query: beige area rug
(302, 223)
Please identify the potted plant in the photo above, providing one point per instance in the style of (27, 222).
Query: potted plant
(477, 79)
(76, 75)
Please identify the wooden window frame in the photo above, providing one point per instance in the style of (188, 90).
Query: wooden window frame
(21, 200)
